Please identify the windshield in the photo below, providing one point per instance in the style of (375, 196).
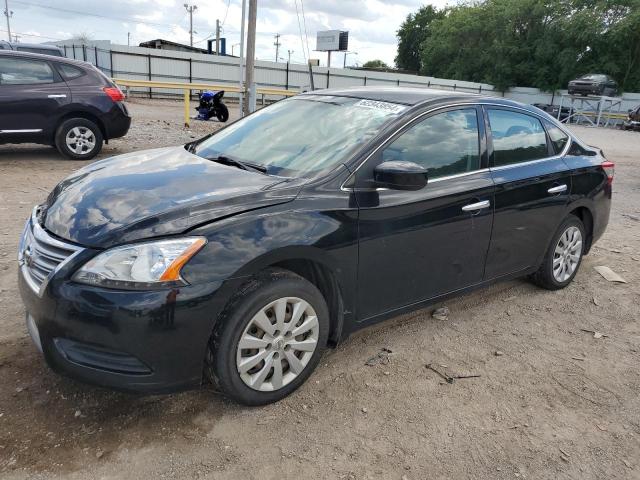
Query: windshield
(301, 136)
(595, 78)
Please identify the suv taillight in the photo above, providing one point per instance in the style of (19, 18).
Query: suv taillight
(114, 93)
(609, 168)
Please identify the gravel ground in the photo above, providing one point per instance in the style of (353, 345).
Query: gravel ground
(551, 402)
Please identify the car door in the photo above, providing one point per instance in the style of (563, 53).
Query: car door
(416, 245)
(31, 96)
(533, 185)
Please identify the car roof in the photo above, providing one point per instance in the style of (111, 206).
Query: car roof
(43, 56)
(413, 96)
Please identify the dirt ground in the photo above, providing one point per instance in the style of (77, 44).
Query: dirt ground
(551, 401)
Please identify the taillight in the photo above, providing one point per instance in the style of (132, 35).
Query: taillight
(114, 93)
(609, 168)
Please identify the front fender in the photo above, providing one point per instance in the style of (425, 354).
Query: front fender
(240, 246)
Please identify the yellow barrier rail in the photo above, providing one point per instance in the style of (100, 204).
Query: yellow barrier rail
(187, 88)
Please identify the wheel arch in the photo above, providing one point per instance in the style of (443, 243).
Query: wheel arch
(87, 116)
(315, 266)
(586, 217)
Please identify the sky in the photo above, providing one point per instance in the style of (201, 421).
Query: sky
(372, 24)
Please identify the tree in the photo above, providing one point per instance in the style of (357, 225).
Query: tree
(535, 43)
(82, 37)
(413, 32)
(375, 64)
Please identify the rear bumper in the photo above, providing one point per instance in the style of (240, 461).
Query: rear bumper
(145, 342)
(116, 121)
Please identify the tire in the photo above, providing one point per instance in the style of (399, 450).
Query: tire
(86, 131)
(569, 245)
(256, 301)
(222, 113)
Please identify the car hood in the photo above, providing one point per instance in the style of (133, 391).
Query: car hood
(153, 193)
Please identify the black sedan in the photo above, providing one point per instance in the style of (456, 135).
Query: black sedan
(55, 101)
(238, 258)
(593, 84)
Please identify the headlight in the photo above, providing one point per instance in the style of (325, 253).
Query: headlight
(141, 265)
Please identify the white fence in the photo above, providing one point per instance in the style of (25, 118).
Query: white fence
(139, 63)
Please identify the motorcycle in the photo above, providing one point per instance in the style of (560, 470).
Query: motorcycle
(211, 106)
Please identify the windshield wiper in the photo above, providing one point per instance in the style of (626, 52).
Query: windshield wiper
(226, 160)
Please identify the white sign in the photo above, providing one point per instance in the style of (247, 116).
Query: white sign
(328, 40)
(392, 108)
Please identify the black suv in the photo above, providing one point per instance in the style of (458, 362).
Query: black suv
(61, 102)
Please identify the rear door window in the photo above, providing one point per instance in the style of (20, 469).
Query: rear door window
(517, 137)
(22, 71)
(445, 144)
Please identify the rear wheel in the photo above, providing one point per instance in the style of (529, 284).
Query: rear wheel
(563, 257)
(79, 139)
(222, 112)
(269, 338)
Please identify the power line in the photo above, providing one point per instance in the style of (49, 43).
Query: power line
(225, 13)
(300, 29)
(90, 14)
(122, 19)
(304, 19)
(22, 34)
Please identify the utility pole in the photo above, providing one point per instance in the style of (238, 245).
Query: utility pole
(128, 39)
(289, 52)
(277, 44)
(190, 9)
(217, 37)
(251, 56)
(241, 69)
(8, 13)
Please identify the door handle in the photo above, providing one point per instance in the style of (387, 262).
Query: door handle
(57, 95)
(472, 207)
(557, 189)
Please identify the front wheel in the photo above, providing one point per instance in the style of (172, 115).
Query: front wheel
(563, 257)
(79, 139)
(269, 339)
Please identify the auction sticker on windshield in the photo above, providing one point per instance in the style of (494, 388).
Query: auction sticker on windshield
(381, 106)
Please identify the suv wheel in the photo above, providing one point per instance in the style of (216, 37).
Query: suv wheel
(563, 258)
(269, 338)
(79, 139)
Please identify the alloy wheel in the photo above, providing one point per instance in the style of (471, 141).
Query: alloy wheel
(567, 253)
(277, 344)
(80, 140)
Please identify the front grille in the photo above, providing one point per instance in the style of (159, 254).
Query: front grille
(40, 255)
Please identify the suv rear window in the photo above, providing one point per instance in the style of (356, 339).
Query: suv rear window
(517, 137)
(69, 72)
(22, 71)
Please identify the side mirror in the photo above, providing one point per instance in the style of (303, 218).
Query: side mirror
(398, 175)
